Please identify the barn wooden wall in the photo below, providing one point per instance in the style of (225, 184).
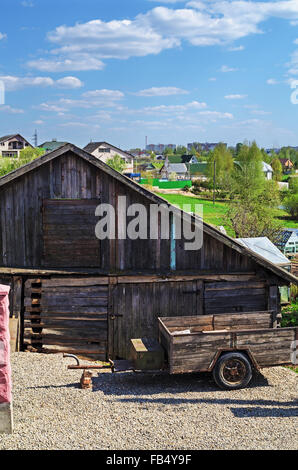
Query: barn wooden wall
(136, 306)
(98, 316)
(70, 177)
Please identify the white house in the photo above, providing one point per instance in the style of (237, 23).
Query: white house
(267, 170)
(179, 169)
(288, 243)
(104, 151)
(11, 145)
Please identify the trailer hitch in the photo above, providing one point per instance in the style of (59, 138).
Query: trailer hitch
(86, 377)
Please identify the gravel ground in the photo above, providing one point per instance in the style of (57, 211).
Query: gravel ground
(137, 411)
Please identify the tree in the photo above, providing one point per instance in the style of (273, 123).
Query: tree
(224, 165)
(277, 169)
(26, 156)
(168, 151)
(180, 150)
(252, 212)
(248, 177)
(291, 200)
(117, 163)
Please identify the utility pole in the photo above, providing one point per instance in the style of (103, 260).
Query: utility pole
(214, 169)
(35, 138)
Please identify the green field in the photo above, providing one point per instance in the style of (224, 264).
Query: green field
(217, 214)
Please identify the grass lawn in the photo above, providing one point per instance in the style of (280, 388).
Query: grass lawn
(286, 219)
(212, 214)
(217, 214)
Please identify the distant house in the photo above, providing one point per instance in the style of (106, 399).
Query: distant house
(105, 151)
(267, 170)
(190, 159)
(288, 242)
(187, 159)
(52, 145)
(286, 164)
(180, 169)
(11, 145)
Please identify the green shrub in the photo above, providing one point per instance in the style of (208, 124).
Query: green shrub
(289, 316)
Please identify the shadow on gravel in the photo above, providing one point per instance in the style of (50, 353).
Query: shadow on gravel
(258, 412)
(49, 387)
(141, 388)
(129, 383)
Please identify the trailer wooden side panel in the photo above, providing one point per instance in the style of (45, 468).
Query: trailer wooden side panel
(270, 347)
(192, 346)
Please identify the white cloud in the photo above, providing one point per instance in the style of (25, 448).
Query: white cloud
(27, 4)
(192, 106)
(39, 122)
(212, 79)
(260, 112)
(13, 83)
(214, 115)
(69, 82)
(235, 97)
(111, 94)
(78, 62)
(167, 1)
(161, 91)
(226, 69)
(83, 46)
(91, 99)
(236, 48)
(2, 36)
(51, 108)
(74, 124)
(272, 81)
(10, 110)
(293, 70)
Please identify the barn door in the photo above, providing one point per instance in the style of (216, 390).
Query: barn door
(69, 239)
(67, 315)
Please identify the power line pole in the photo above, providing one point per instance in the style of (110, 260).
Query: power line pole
(214, 169)
(35, 140)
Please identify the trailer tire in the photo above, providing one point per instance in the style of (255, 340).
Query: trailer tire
(232, 371)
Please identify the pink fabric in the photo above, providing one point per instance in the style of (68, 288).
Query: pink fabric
(5, 370)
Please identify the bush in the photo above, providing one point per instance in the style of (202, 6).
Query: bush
(291, 204)
(294, 293)
(289, 316)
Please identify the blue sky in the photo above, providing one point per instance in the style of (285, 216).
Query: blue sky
(175, 71)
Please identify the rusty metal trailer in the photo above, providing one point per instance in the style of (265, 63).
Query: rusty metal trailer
(230, 346)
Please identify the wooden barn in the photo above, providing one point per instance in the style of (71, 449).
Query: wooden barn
(74, 293)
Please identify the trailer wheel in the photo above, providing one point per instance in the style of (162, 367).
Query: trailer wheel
(232, 370)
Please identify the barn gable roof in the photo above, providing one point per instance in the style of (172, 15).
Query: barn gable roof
(209, 229)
